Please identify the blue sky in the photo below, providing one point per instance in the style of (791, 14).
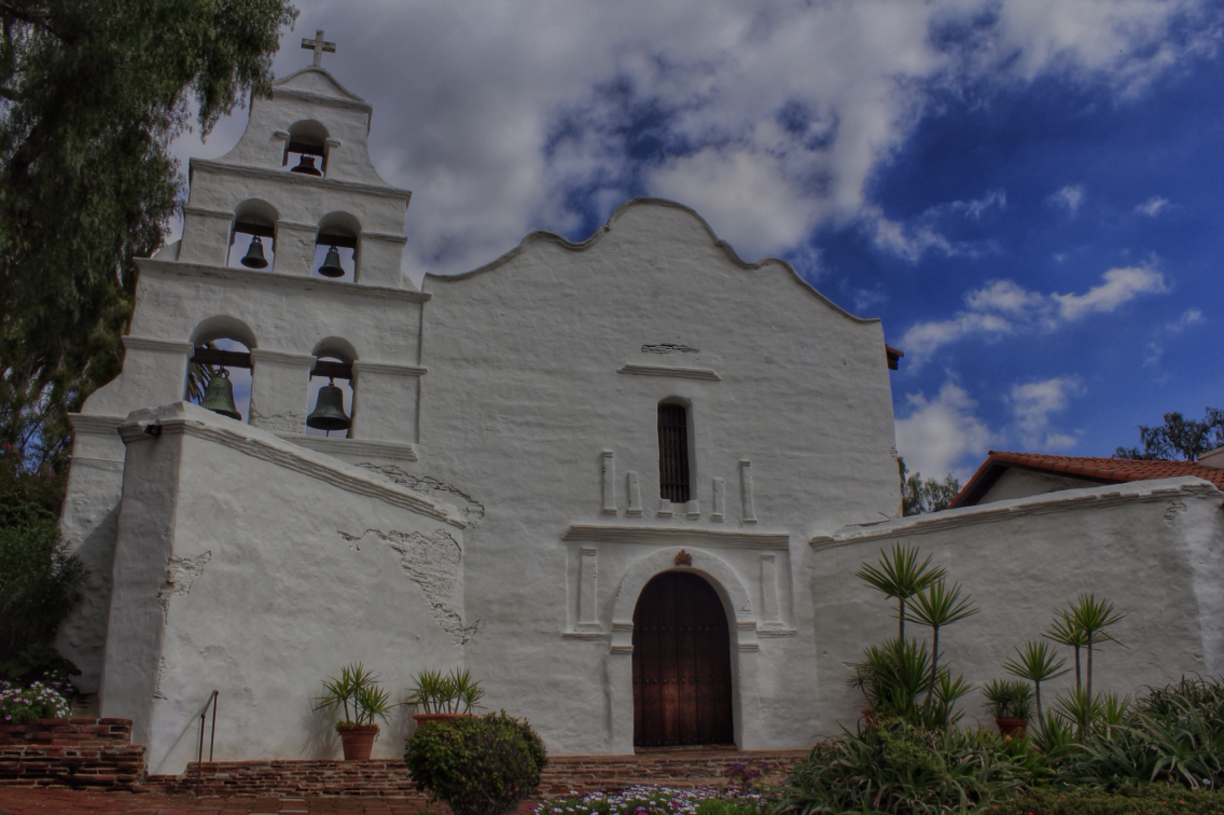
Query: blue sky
(1026, 193)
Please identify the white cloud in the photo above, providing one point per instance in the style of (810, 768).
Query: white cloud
(1155, 348)
(912, 240)
(1120, 286)
(1190, 316)
(499, 116)
(1003, 308)
(1033, 402)
(1153, 206)
(1070, 198)
(942, 435)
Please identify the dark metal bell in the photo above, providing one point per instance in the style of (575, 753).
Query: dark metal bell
(219, 396)
(331, 264)
(306, 166)
(329, 410)
(255, 257)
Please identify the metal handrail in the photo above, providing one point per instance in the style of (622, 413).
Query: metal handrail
(212, 702)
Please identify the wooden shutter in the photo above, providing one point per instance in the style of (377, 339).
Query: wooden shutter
(673, 453)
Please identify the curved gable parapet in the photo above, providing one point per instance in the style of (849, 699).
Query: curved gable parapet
(315, 81)
(626, 210)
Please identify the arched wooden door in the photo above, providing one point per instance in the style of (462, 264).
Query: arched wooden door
(681, 664)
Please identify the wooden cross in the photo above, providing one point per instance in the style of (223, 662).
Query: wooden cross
(318, 45)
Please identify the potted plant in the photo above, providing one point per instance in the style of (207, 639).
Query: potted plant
(438, 696)
(1010, 702)
(357, 693)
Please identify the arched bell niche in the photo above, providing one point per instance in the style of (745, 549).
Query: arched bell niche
(306, 149)
(221, 348)
(326, 409)
(341, 232)
(253, 236)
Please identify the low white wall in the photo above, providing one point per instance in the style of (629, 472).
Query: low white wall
(250, 565)
(1154, 548)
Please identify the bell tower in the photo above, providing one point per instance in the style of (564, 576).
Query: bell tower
(300, 178)
(289, 267)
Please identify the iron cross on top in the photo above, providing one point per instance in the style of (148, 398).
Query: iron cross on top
(318, 45)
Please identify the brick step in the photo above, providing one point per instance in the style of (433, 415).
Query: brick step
(684, 768)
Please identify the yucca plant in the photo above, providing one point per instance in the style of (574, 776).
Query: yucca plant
(900, 575)
(1037, 663)
(937, 606)
(356, 692)
(454, 692)
(1008, 698)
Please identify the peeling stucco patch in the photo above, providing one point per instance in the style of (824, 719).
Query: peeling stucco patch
(432, 562)
(669, 348)
(1175, 508)
(180, 574)
(431, 487)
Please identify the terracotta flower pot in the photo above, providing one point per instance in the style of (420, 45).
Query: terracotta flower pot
(1012, 727)
(358, 740)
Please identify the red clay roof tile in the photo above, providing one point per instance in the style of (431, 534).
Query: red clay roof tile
(1107, 470)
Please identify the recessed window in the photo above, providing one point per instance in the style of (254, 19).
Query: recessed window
(673, 453)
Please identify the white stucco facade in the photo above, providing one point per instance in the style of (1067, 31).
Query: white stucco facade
(496, 503)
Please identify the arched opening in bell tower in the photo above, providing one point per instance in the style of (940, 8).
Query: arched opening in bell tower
(221, 351)
(336, 247)
(253, 236)
(330, 396)
(306, 149)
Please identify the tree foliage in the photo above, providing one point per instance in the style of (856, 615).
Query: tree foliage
(39, 585)
(92, 93)
(1178, 437)
(919, 495)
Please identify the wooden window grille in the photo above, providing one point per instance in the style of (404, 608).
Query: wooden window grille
(673, 453)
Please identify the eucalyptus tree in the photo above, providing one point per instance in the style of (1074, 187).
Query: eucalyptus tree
(92, 93)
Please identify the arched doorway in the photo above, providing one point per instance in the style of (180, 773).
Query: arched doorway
(681, 664)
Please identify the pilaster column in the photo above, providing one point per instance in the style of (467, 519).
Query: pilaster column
(280, 383)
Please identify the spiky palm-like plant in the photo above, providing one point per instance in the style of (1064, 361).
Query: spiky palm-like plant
(1037, 663)
(937, 605)
(900, 575)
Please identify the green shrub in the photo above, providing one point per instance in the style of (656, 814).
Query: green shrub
(39, 584)
(482, 765)
(896, 767)
(1153, 800)
(1173, 734)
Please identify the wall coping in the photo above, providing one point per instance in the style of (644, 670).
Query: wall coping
(1100, 497)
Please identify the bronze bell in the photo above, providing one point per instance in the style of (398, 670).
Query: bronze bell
(219, 396)
(255, 257)
(306, 166)
(329, 410)
(331, 264)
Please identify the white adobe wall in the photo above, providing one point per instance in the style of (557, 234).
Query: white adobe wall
(545, 370)
(248, 564)
(1019, 483)
(1154, 548)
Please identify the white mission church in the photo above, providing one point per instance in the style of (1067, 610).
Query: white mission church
(626, 482)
